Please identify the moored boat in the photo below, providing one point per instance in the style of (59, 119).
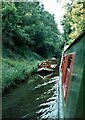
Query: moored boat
(44, 76)
(47, 66)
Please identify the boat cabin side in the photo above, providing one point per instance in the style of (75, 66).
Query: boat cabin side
(71, 74)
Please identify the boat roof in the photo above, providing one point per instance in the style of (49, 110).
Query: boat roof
(75, 41)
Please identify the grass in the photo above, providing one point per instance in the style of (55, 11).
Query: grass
(17, 71)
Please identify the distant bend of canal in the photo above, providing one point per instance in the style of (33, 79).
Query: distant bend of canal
(37, 99)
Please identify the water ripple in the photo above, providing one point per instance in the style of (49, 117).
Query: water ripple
(50, 109)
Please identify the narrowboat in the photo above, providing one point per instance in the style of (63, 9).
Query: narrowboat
(72, 69)
(47, 66)
(45, 76)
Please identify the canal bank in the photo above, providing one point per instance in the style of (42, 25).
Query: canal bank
(16, 71)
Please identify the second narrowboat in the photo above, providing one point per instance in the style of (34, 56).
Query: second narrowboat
(47, 66)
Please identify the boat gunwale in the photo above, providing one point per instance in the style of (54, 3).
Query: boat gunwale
(76, 40)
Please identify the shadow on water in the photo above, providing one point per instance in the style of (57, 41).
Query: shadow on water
(36, 99)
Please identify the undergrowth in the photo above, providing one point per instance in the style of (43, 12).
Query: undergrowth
(17, 70)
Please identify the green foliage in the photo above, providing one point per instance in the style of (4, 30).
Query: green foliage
(27, 24)
(15, 71)
(9, 16)
(73, 20)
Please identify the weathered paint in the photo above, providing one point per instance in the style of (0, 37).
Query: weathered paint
(73, 105)
(66, 69)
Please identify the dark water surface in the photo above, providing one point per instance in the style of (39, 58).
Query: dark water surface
(36, 99)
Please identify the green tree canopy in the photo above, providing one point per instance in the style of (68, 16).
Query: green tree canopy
(28, 25)
(73, 20)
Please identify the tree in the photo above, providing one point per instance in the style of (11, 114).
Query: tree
(28, 25)
(9, 22)
(73, 22)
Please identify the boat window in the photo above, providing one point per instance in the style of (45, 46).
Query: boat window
(69, 62)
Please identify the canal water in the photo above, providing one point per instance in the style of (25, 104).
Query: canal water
(37, 99)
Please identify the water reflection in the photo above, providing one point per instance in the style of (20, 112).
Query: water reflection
(36, 99)
(49, 109)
